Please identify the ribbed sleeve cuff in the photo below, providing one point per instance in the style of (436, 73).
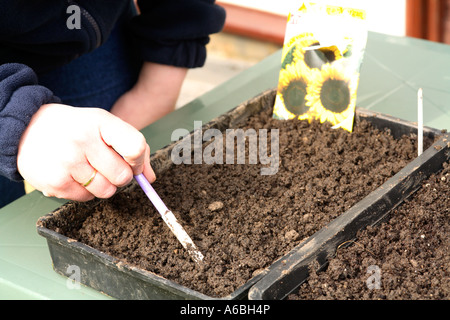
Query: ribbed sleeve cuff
(187, 54)
(20, 98)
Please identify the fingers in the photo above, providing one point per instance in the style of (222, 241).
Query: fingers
(148, 170)
(108, 170)
(64, 188)
(130, 144)
(120, 153)
(94, 182)
(109, 163)
(112, 160)
(99, 186)
(76, 192)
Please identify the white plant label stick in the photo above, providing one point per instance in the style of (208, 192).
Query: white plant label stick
(420, 122)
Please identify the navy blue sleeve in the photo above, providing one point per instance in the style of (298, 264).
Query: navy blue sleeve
(175, 32)
(20, 98)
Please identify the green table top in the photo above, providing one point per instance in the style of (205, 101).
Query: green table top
(393, 70)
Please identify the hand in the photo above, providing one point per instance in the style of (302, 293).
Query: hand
(154, 95)
(64, 147)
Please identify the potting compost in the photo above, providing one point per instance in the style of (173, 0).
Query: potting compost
(240, 220)
(409, 253)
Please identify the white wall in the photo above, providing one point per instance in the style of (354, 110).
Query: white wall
(384, 16)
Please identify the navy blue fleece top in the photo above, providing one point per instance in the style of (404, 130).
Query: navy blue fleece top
(34, 39)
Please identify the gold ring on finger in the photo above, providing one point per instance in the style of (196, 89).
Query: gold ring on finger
(90, 179)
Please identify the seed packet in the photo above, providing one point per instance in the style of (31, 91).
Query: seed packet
(321, 58)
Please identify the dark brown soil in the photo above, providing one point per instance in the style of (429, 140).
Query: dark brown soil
(410, 252)
(243, 221)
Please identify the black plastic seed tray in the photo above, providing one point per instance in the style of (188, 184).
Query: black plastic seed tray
(120, 280)
(114, 277)
(291, 270)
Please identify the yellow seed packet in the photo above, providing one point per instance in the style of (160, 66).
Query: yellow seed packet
(321, 58)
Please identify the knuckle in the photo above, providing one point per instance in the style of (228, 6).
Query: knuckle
(57, 185)
(141, 145)
(107, 192)
(138, 151)
(124, 178)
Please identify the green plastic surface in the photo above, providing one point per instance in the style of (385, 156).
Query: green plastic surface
(393, 70)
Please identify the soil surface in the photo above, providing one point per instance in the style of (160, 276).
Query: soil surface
(240, 220)
(406, 257)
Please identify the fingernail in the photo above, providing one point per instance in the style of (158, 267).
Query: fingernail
(153, 174)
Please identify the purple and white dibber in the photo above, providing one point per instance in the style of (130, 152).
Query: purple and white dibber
(170, 219)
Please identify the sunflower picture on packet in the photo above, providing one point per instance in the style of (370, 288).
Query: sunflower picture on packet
(321, 58)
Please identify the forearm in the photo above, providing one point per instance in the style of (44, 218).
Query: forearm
(154, 95)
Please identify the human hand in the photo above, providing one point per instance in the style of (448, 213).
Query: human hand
(64, 147)
(154, 95)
